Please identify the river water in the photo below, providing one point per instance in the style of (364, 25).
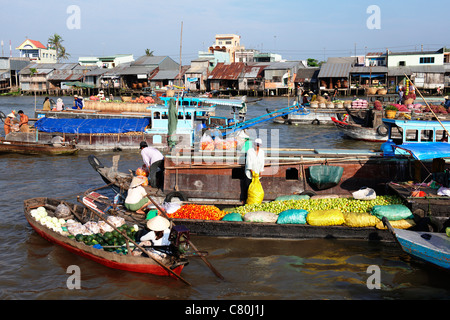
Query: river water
(32, 268)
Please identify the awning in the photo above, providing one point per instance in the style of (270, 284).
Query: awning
(427, 150)
(79, 84)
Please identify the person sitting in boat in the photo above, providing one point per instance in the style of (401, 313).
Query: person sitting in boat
(23, 123)
(47, 105)
(59, 104)
(447, 102)
(153, 160)
(136, 199)
(156, 234)
(306, 99)
(77, 103)
(8, 123)
(57, 141)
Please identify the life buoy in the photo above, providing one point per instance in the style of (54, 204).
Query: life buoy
(315, 122)
(382, 130)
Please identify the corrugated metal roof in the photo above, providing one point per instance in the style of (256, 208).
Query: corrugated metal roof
(96, 72)
(148, 60)
(335, 70)
(398, 71)
(132, 70)
(224, 71)
(165, 75)
(374, 69)
(253, 71)
(307, 73)
(283, 65)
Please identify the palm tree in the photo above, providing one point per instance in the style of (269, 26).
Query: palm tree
(148, 53)
(56, 42)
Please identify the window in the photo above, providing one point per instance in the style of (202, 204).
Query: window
(292, 174)
(402, 63)
(426, 136)
(411, 135)
(425, 60)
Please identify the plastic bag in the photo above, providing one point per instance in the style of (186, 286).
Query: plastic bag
(261, 216)
(62, 211)
(360, 220)
(292, 197)
(332, 217)
(292, 216)
(365, 194)
(255, 191)
(397, 224)
(392, 212)
(234, 216)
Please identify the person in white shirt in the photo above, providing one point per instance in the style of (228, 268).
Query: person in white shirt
(254, 163)
(153, 160)
(136, 199)
(158, 232)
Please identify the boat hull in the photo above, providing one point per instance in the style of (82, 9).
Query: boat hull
(31, 148)
(359, 132)
(435, 250)
(108, 259)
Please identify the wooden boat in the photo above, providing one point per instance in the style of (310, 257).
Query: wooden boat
(35, 148)
(238, 229)
(360, 132)
(171, 265)
(431, 247)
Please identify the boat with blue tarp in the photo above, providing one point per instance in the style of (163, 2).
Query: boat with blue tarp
(111, 127)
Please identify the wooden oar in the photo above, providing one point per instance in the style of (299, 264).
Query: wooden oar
(137, 245)
(217, 273)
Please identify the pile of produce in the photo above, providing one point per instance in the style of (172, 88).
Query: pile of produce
(143, 99)
(436, 109)
(41, 215)
(200, 212)
(360, 104)
(343, 204)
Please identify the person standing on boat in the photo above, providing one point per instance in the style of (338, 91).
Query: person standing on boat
(8, 123)
(136, 199)
(47, 106)
(23, 123)
(254, 163)
(153, 160)
(400, 95)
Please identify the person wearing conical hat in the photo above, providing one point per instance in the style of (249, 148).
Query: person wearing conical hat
(8, 123)
(158, 232)
(136, 199)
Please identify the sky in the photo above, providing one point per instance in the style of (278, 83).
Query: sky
(296, 29)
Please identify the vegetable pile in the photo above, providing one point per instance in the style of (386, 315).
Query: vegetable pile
(143, 99)
(201, 212)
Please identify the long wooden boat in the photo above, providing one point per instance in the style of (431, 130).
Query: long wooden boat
(113, 260)
(35, 148)
(431, 247)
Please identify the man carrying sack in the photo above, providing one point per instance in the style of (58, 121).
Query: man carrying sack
(254, 166)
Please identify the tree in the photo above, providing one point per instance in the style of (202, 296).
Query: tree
(56, 42)
(148, 53)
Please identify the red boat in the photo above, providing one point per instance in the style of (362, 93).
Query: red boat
(170, 265)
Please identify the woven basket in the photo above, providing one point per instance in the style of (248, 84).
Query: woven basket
(314, 105)
(372, 91)
(126, 99)
(381, 91)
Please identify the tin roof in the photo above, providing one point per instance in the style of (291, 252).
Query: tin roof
(374, 69)
(335, 70)
(148, 60)
(428, 69)
(224, 71)
(398, 71)
(253, 71)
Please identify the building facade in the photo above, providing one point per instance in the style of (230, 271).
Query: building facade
(37, 52)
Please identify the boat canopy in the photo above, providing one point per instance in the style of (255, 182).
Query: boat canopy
(92, 125)
(427, 151)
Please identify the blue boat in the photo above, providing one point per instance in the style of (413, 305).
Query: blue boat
(421, 137)
(432, 247)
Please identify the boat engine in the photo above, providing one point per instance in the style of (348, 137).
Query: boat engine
(179, 238)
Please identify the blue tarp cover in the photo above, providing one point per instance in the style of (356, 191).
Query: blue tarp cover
(428, 150)
(92, 125)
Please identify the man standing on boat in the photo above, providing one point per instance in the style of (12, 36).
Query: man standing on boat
(23, 124)
(254, 163)
(154, 160)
